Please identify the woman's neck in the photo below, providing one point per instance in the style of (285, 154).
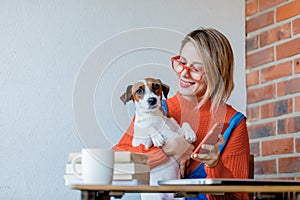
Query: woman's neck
(192, 98)
(193, 102)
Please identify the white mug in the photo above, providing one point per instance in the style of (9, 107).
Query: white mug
(97, 166)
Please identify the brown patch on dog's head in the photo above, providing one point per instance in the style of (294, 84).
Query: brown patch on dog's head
(157, 87)
(127, 96)
(136, 92)
(165, 88)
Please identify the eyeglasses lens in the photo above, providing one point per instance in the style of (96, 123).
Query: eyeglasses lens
(193, 72)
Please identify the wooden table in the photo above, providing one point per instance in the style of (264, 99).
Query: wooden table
(105, 191)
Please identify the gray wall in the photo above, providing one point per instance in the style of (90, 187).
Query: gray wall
(44, 46)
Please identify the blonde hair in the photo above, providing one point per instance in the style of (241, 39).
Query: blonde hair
(218, 60)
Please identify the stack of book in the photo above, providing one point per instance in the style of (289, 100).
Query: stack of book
(129, 169)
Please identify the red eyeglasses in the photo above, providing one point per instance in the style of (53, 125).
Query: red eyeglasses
(195, 72)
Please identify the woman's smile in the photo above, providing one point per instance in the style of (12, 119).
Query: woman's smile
(186, 84)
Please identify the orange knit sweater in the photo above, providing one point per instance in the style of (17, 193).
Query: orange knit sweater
(233, 162)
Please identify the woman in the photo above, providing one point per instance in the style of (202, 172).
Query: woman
(205, 79)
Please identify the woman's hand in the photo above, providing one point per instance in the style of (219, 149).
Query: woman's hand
(181, 150)
(212, 158)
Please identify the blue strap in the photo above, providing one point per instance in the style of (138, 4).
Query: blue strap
(234, 121)
(199, 172)
(199, 197)
(164, 106)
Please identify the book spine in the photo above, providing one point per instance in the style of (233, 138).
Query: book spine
(142, 176)
(131, 157)
(130, 168)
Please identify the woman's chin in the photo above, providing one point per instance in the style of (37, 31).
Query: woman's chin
(186, 91)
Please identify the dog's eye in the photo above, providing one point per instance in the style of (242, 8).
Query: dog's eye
(155, 86)
(139, 91)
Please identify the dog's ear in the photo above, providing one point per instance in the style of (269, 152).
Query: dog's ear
(127, 96)
(165, 88)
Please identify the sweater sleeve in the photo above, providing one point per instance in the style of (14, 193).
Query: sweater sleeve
(156, 155)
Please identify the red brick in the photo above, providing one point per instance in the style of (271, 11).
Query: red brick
(297, 103)
(296, 26)
(280, 89)
(288, 49)
(288, 87)
(260, 94)
(276, 71)
(283, 107)
(252, 43)
(297, 141)
(254, 148)
(289, 165)
(288, 125)
(261, 130)
(277, 108)
(267, 110)
(297, 65)
(288, 10)
(252, 78)
(260, 21)
(275, 34)
(252, 114)
(265, 4)
(251, 7)
(265, 167)
(275, 147)
(260, 58)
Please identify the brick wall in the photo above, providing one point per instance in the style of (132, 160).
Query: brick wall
(273, 86)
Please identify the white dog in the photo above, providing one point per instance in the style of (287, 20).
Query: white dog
(152, 127)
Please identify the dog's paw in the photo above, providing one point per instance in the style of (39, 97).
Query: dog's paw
(148, 143)
(188, 132)
(157, 140)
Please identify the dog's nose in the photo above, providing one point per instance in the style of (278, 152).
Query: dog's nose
(152, 101)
